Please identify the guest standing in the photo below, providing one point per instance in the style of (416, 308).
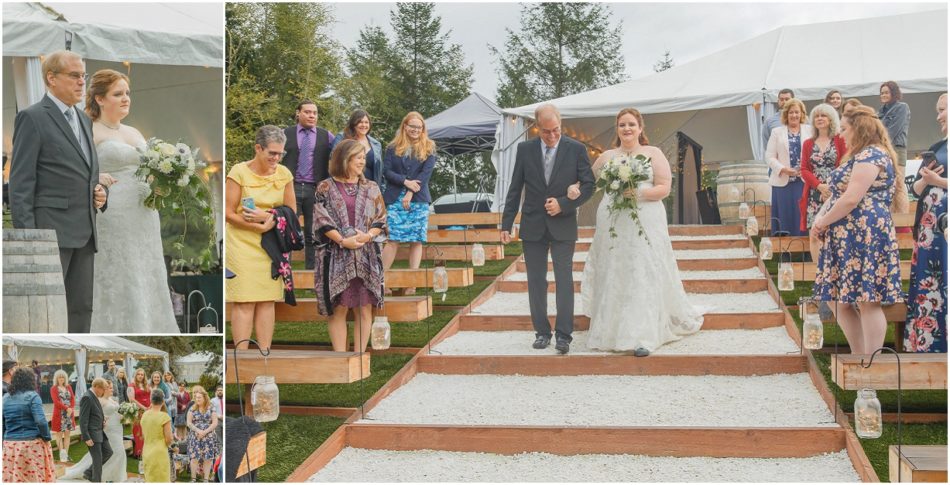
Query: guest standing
(859, 262)
(139, 393)
(9, 366)
(775, 120)
(202, 443)
(308, 153)
(409, 162)
(821, 154)
(895, 115)
(157, 430)
(357, 128)
(784, 155)
(171, 403)
(122, 385)
(110, 372)
(64, 412)
(926, 327)
(834, 99)
(266, 183)
(27, 454)
(348, 214)
(849, 106)
(181, 419)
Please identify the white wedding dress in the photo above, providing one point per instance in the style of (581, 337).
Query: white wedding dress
(113, 470)
(130, 293)
(632, 290)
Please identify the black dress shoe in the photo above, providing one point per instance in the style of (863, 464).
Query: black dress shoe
(542, 342)
(562, 347)
(641, 352)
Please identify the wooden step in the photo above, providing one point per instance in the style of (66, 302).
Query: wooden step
(918, 371)
(691, 286)
(706, 230)
(300, 366)
(682, 264)
(807, 271)
(402, 278)
(917, 463)
(711, 321)
(398, 309)
(465, 219)
(799, 244)
(896, 312)
(711, 244)
(448, 252)
(468, 236)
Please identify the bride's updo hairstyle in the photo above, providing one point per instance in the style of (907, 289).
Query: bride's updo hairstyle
(643, 128)
(99, 86)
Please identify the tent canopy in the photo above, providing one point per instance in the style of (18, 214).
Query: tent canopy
(200, 357)
(52, 349)
(469, 126)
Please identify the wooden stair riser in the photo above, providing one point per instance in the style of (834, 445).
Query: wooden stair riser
(402, 278)
(397, 309)
(918, 371)
(300, 366)
(628, 365)
(917, 463)
(453, 252)
(905, 240)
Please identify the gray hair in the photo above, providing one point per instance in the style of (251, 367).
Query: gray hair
(268, 134)
(57, 375)
(56, 61)
(546, 108)
(834, 121)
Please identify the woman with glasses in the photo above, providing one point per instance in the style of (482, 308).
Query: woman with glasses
(253, 188)
(408, 164)
(357, 128)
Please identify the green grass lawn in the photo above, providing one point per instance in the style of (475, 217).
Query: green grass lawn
(293, 439)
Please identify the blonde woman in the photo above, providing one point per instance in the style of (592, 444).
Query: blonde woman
(202, 443)
(64, 412)
(784, 156)
(408, 165)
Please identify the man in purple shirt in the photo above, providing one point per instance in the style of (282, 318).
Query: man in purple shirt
(308, 158)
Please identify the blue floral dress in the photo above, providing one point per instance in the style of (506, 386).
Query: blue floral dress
(926, 327)
(202, 448)
(859, 259)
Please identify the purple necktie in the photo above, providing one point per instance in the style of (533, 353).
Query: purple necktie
(305, 162)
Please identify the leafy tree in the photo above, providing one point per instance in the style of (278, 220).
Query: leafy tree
(560, 49)
(665, 63)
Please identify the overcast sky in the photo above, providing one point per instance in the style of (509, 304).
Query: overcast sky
(688, 30)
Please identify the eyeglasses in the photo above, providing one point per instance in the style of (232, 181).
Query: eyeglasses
(413, 127)
(271, 154)
(75, 75)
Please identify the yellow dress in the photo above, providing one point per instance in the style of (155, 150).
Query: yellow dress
(244, 255)
(155, 453)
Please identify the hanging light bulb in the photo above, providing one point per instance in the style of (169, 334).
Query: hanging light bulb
(743, 210)
(478, 255)
(867, 414)
(752, 226)
(765, 248)
(786, 277)
(380, 333)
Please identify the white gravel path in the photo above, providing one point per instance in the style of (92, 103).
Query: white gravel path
(736, 274)
(780, 400)
(729, 253)
(355, 465)
(715, 237)
(502, 303)
(770, 341)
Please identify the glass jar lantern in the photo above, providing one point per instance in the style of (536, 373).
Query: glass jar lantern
(440, 280)
(743, 210)
(752, 226)
(478, 255)
(868, 422)
(380, 334)
(765, 248)
(265, 399)
(786, 277)
(814, 330)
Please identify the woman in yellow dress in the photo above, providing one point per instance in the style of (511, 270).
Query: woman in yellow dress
(253, 188)
(157, 430)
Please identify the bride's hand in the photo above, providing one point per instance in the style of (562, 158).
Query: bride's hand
(632, 193)
(574, 191)
(107, 180)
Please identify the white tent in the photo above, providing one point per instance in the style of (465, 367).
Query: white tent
(717, 100)
(192, 366)
(172, 53)
(76, 349)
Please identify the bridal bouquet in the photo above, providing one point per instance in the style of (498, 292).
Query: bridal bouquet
(128, 411)
(619, 175)
(170, 172)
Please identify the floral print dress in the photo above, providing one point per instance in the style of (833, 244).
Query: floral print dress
(859, 259)
(202, 448)
(65, 420)
(822, 163)
(926, 327)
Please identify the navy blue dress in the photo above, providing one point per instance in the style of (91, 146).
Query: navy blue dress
(785, 200)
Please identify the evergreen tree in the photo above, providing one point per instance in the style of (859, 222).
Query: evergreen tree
(665, 63)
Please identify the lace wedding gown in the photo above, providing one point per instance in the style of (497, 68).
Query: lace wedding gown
(113, 470)
(631, 289)
(130, 293)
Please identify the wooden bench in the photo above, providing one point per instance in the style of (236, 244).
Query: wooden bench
(397, 308)
(807, 271)
(917, 463)
(918, 371)
(402, 278)
(791, 244)
(300, 366)
(448, 252)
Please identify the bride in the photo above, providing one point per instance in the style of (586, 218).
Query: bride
(631, 288)
(114, 470)
(130, 294)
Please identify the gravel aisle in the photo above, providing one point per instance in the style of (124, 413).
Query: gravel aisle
(734, 274)
(517, 303)
(730, 253)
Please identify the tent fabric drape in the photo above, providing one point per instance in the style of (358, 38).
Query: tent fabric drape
(80, 372)
(28, 80)
(509, 132)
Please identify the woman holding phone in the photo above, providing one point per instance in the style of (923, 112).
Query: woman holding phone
(253, 188)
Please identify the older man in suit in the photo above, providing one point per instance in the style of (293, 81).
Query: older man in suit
(54, 178)
(92, 423)
(544, 170)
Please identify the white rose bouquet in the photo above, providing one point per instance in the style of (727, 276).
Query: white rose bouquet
(619, 175)
(170, 172)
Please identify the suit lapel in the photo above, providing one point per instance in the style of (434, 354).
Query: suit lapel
(538, 158)
(86, 125)
(558, 156)
(60, 121)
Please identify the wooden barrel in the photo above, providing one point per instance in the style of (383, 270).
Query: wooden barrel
(34, 298)
(750, 178)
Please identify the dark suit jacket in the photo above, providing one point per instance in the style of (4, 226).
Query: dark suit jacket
(321, 142)
(398, 169)
(91, 417)
(571, 164)
(51, 185)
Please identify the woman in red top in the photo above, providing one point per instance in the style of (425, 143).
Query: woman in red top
(64, 412)
(821, 154)
(140, 394)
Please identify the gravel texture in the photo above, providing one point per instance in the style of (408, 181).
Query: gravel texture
(502, 303)
(770, 341)
(715, 237)
(736, 274)
(730, 253)
(354, 465)
(779, 400)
